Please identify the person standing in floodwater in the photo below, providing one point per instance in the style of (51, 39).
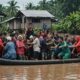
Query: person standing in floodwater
(20, 48)
(9, 50)
(36, 47)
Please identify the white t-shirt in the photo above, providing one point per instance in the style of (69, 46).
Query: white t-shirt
(36, 45)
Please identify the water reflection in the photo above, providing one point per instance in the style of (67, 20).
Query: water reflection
(41, 72)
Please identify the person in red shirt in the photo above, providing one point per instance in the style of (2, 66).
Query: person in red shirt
(76, 46)
(20, 48)
(1, 45)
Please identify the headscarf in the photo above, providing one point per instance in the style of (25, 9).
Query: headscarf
(31, 37)
(77, 38)
(9, 38)
(77, 43)
(20, 36)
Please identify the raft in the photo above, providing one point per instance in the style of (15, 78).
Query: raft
(37, 62)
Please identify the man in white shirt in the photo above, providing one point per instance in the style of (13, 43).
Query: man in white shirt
(36, 47)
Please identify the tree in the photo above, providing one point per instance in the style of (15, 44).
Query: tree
(70, 6)
(2, 8)
(65, 7)
(43, 4)
(51, 6)
(30, 6)
(12, 8)
(70, 23)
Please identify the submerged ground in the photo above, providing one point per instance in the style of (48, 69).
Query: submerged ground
(41, 72)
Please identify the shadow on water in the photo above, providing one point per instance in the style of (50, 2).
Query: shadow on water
(41, 72)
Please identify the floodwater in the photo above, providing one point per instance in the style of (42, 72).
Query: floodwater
(41, 72)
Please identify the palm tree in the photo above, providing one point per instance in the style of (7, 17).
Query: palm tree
(30, 6)
(12, 8)
(2, 8)
(43, 4)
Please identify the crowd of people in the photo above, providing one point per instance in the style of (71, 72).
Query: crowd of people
(40, 46)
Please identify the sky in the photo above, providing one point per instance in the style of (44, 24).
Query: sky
(21, 3)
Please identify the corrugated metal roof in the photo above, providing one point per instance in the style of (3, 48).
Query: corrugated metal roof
(8, 20)
(36, 13)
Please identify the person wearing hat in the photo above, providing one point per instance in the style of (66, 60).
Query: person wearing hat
(9, 50)
(20, 48)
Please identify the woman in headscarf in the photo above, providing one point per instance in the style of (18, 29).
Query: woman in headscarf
(9, 50)
(76, 45)
(20, 47)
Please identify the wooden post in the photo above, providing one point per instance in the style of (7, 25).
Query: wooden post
(23, 26)
(26, 25)
(51, 26)
(15, 27)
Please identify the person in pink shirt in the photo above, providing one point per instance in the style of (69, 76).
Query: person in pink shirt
(20, 48)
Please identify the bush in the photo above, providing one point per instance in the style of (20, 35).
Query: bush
(3, 28)
(70, 24)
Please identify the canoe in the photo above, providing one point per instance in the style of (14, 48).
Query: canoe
(37, 62)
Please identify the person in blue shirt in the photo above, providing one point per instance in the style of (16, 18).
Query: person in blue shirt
(9, 50)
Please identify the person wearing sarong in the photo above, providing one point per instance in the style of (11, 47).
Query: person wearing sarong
(9, 50)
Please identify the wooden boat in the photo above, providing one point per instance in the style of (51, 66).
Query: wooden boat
(37, 62)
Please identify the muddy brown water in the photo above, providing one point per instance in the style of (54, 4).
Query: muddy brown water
(41, 72)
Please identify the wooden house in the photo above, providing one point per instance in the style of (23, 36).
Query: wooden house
(30, 18)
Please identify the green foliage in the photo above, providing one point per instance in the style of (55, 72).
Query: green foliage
(12, 8)
(55, 26)
(65, 10)
(3, 28)
(36, 29)
(69, 6)
(59, 8)
(70, 23)
(9, 10)
(30, 6)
